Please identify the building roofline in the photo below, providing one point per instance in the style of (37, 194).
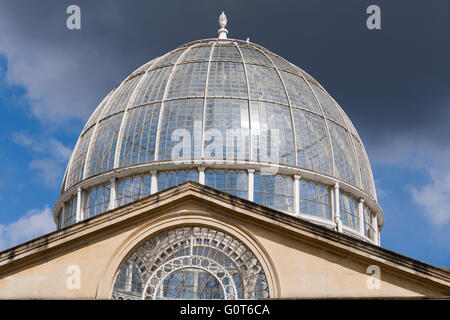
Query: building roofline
(189, 190)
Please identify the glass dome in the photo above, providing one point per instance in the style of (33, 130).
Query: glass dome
(317, 168)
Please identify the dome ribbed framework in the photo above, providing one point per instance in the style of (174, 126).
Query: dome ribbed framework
(219, 85)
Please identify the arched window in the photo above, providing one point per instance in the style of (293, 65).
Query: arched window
(191, 263)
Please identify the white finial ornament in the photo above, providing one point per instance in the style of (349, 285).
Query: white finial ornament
(222, 23)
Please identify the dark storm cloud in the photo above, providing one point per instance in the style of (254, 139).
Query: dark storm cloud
(392, 82)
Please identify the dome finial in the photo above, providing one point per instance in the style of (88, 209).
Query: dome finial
(222, 23)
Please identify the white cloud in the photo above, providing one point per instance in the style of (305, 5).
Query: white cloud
(433, 198)
(35, 223)
(52, 157)
(48, 172)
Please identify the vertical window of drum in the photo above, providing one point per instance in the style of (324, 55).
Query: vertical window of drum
(275, 191)
(232, 182)
(315, 199)
(133, 188)
(344, 156)
(167, 179)
(271, 128)
(187, 115)
(227, 133)
(139, 135)
(313, 146)
(97, 200)
(101, 156)
(227, 79)
(369, 231)
(348, 211)
(70, 212)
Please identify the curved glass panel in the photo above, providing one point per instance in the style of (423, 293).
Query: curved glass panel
(227, 79)
(329, 108)
(188, 80)
(139, 135)
(272, 133)
(254, 56)
(344, 157)
(181, 130)
(299, 93)
(133, 188)
(121, 97)
(265, 84)
(198, 53)
(365, 168)
(274, 191)
(101, 156)
(314, 199)
(281, 64)
(191, 263)
(168, 59)
(313, 147)
(232, 182)
(75, 174)
(227, 129)
(97, 112)
(97, 200)
(153, 86)
(227, 52)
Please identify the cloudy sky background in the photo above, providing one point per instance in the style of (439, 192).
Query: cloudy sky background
(393, 83)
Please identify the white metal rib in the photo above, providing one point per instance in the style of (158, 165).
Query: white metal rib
(204, 102)
(125, 115)
(250, 152)
(324, 118)
(289, 103)
(166, 90)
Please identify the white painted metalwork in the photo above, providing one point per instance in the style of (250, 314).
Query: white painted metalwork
(79, 214)
(297, 194)
(222, 23)
(337, 208)
(236, 272)
(250, 76)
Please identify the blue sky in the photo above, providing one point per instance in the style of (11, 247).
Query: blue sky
(393, 83)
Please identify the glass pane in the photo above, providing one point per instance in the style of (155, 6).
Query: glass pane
(139, 135)
(183, 119)
(271, 133)
(275, 191)
(314, 200)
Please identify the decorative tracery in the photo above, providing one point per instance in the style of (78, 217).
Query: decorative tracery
(191, 263)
